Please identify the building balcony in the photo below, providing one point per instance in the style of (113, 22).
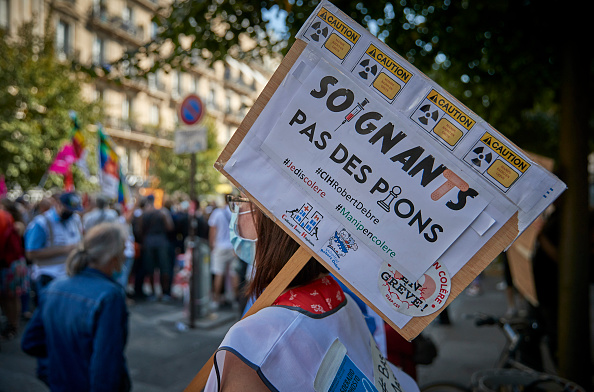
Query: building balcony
(116, 26)
(238, 86)
(135, 133)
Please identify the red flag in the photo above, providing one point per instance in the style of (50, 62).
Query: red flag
(68, 181)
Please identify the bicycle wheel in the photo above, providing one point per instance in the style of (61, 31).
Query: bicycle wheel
(444, 387)
(493, 380)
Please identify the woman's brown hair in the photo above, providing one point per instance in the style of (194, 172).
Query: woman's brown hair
(273, 249)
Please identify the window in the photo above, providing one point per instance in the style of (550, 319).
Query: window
(98, 95)
(98, 51)
(196, 84)
(159, 80)
(99, 10)
(154, 115)
(155, 81)
(152, 81)
(227, 104)
(128, 15)
(4, 9)
(125, 108)
(63, 32)
(211, 101)
(154, 30)
(176, 84)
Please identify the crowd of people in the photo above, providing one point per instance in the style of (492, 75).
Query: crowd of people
(72, 265)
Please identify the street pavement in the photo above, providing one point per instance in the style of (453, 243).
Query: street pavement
(164, 354)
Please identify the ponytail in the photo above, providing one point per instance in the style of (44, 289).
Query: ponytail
(77, 261)
(100, 245)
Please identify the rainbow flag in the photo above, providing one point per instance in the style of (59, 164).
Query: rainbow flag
(109, 165)
(123, 191)
(112, 180)
(78, 139)
(79, 145)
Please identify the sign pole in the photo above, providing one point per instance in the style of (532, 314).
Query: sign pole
(274, 289)
(192, 242)
(190, 113)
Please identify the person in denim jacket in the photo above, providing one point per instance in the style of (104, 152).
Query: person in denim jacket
(81, 325)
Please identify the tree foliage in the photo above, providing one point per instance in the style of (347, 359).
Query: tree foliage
(502, 59)
(37, 92)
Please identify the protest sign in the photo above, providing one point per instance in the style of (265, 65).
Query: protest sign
(403, 193)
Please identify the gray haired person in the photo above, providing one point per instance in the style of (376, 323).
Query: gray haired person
(81, 325)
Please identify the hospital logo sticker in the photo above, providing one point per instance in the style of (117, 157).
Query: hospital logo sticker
(304, 221)
(338, 245)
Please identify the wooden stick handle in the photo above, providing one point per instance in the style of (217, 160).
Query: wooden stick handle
(272, 292)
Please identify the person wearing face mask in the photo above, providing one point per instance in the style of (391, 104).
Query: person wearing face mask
(281, 347)
(243, 238)
(49, 239)
(81, 324)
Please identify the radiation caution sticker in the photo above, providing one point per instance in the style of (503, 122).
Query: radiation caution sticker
(425, 296)
(385, 74)
(444, 120)
(497, 161)
(332, 33)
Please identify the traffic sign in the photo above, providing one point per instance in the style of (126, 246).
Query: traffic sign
(191, 111)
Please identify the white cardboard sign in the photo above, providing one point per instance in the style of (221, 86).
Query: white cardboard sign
(381, 172)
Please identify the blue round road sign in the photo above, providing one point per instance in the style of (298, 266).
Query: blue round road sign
(191, 110)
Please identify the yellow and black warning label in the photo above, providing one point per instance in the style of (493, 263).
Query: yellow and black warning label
(339, 25)
(448, 132)
(338, 46)
(505, 152)
(389, 63)
(458, 115)
(502, 173)
(386, 85)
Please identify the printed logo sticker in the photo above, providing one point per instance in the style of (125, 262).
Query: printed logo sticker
(304, 221)
(420, 298)
(339, 245)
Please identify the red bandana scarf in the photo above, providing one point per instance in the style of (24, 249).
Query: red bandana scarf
(319, 296)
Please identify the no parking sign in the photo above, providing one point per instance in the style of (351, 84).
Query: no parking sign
(192, 137)
(191, 111)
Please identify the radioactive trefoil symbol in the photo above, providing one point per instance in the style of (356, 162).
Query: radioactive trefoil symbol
(319, 31)
(481, 156)
(424, 119)
(367, 69)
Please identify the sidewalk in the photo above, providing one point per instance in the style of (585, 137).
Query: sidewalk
(164, 355)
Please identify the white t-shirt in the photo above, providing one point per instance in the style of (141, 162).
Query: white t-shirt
(220, 219)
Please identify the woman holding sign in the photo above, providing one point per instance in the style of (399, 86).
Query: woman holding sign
(283, 347)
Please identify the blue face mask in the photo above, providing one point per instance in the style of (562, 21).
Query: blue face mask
(245, 248)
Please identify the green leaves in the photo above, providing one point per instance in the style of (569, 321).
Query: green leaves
(36, 93)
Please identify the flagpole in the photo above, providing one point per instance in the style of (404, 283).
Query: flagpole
(43, 179)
